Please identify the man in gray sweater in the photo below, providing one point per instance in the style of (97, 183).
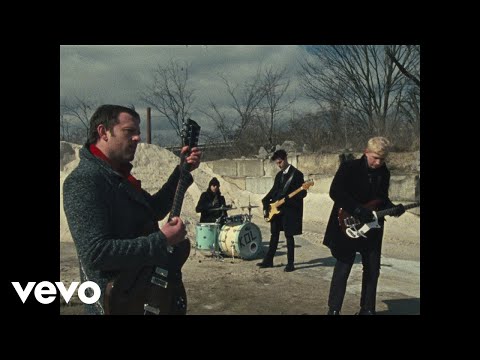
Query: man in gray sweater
(113, 221)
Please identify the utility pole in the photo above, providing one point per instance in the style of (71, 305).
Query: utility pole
(149, 125)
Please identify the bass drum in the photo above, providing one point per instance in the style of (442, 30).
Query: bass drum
(241, 240)
(206, 236)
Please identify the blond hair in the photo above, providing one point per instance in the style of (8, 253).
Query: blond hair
(379, 145)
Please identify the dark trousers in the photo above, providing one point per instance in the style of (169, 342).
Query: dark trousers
(276, 227)
(371, 271)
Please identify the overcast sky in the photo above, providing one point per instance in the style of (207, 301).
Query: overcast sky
(116, 74)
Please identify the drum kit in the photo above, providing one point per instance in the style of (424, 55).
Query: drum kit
(230, 235)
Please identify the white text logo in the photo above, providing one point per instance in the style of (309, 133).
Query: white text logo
(45, 292)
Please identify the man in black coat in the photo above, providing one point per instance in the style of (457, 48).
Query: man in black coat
(211, 199)
(355, 185)
(287, 180)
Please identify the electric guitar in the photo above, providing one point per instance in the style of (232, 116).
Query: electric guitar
(354, 228)
(157, 290)
(273, 207)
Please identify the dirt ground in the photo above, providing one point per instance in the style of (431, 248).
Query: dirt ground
(226, 286)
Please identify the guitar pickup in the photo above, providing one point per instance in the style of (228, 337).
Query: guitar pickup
(161, 272)
(151, 309)
(159, 282)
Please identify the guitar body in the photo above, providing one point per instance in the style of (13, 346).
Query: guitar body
(273, 208)
(354, 228)
(343, 215)
(131, 290)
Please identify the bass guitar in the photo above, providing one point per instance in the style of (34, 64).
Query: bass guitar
(157, 290)
(354, 228)
(273, 208)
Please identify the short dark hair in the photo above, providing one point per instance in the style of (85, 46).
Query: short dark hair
(108, 116)
(279, 154)
(214, 181)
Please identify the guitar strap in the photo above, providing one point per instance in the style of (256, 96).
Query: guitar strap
(287, 184)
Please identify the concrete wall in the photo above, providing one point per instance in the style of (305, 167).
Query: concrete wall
(257, 175)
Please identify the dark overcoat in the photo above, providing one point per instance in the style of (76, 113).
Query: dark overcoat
(210, 200)
(292, 211)
(354, 185)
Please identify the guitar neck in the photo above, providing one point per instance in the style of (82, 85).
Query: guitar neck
(293, 193)
(180, 192)
(179, 195)
(391, 211)
(190, 136)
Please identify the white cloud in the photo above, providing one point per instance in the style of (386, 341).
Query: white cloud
(116, 74)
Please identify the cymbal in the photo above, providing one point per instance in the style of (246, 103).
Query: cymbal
(222, 208)
(249, 207)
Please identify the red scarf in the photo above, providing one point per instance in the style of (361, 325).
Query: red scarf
(124, 171)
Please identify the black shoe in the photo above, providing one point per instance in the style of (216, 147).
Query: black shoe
(289, 268)
(333, 312)
(265, 264)
(366, 312)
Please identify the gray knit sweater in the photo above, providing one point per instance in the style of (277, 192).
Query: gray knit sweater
(114, 226)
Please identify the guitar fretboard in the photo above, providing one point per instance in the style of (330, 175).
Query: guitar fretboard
(191, 141)
(180, 193)
(391, 211)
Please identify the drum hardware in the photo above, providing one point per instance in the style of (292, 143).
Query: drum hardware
(249, 207)
(215, 249)
(235, 219)
(221, 220)
(216, 254)
(222, 208)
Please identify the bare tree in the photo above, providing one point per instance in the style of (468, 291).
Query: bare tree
(220, 119)
(170, 94)
(71, 132)
(256, 116)
(410, 67)
(77, 110)
(411, 64)
(235, 124)
(63, 127)
(275, 85)
(245, 101)
(410, 109)
(313, 129)
(369, 84)
(75, 116)
(335, 121)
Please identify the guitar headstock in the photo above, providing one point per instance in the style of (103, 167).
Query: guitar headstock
(307, 184)
(190, 133)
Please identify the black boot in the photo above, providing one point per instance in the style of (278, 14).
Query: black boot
(289, 268)
(266, 263)
(333, 312)
(366, 312)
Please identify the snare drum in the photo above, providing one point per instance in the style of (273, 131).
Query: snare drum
(207, 236)
(241, 240)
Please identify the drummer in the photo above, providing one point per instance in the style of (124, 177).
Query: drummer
(210, 200)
